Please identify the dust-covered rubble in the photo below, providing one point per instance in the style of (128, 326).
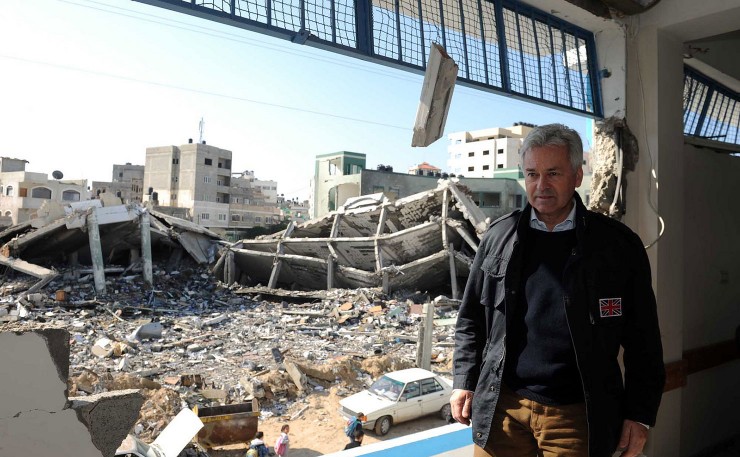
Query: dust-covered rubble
(193, 341)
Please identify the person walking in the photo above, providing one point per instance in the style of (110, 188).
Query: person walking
(283, 441)
(258, 444)
(554, 291)
(357, 437)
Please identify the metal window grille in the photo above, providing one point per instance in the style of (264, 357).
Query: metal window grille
(710, 110)
(499, 45)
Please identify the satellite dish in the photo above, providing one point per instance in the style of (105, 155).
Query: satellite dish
(57, 174)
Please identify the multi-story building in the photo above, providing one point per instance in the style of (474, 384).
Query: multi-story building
(341, 176)
(487, 153)
(22, 192)
(252, 202)
(127, 183)
(193, 180)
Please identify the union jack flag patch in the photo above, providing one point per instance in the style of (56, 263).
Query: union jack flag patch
(610, 307)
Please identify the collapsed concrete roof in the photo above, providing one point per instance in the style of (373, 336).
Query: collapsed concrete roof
(424, 241)
(62, 232)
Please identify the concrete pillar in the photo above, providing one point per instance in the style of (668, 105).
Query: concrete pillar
(654, 113)
(146, 248)
(96, 251)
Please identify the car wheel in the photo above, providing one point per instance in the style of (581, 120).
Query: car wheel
(383, 425)
(446, 413)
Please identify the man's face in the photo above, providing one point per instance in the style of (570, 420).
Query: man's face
(550, 182)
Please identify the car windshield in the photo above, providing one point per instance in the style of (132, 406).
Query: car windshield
(387, 387)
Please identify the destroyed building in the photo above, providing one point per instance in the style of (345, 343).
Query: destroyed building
(420, 242)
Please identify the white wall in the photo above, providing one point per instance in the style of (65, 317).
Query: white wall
(710, 400)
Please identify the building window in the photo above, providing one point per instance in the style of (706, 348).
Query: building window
(471, 154)
(71, 196)
(209, 162)
(471, 168)
(8, 214)
(235, 218)
(207, 179)
(377, 189)
(173, 197)
(258, 219)
(9, 191)
(41, 192)
(394, 192)
(205, 216)
(485, 167)
(485, 153)
(221, 217)
(175, 161)
(501, 165)
(490, 199)
(500, 151)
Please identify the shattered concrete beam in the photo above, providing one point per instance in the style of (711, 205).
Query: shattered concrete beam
(471, 212)
(27, 268)
(453, 273)
(14, 246)
(464, 234)
(278, 263)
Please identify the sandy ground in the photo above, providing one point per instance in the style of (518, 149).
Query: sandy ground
(320, 428)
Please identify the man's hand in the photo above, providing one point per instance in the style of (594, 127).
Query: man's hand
(633, 438)
(461, 403)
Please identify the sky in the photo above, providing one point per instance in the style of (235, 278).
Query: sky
(85, 84)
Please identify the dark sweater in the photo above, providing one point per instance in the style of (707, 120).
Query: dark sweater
(540, 362)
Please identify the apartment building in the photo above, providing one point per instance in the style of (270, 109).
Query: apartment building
(23, 192)
(487, 153)
(127, 183)
(253, 202)
(193, 180)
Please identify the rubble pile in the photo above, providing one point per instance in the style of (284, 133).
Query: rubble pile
(193, 341)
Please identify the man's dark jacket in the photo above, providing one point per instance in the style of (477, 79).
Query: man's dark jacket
(608, 263)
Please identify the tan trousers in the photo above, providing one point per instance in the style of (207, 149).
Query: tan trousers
(525, 428)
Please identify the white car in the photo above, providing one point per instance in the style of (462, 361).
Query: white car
(399, 396)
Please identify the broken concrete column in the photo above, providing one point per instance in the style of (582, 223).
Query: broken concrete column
(96, 251)
(35, 418)
(108, 416)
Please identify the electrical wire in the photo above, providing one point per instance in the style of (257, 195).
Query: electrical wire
(200, 91)
(137, 15)
(651, 174)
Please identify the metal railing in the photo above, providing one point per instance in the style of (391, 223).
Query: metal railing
(499, 45)
(710, 110)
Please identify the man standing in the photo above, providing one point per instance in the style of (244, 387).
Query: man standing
(554, 291)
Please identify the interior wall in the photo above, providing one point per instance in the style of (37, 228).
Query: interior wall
(710, 399)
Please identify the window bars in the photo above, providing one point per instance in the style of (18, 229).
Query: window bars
(710, 110)
(499, 45)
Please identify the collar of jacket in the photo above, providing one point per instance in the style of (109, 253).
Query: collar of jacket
(580, 220)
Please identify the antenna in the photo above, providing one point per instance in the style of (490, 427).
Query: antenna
(201, 127)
